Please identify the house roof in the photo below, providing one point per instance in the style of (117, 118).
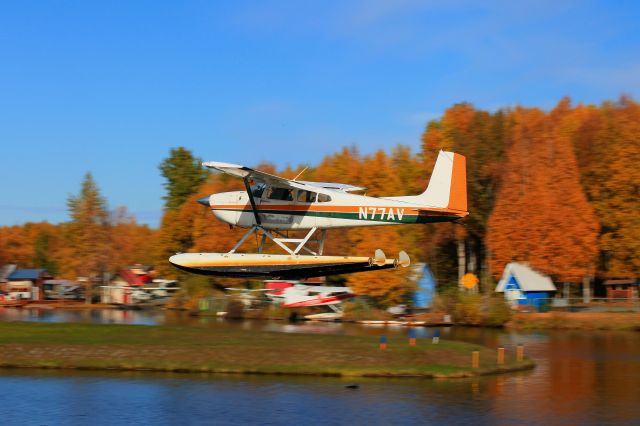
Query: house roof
(26, 274)
(528, 279)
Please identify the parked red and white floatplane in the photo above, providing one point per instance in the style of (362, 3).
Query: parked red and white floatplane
(272, 206)
(293, 294)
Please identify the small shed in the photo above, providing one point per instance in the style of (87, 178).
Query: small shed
(522, 285)
(35, 276)
(426, 288)
(621, 289)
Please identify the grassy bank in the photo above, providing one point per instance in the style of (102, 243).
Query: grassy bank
(225, 350)
(576, 321)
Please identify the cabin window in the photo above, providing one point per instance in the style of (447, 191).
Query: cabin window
(323, 198)
(258, 189)
(306, 196)
(282, 194)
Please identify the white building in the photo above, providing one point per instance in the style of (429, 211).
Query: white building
(522, 285)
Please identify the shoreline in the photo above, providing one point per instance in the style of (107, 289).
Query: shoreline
(171, 349)
(555, 320)
(584, 321)
(524, 366)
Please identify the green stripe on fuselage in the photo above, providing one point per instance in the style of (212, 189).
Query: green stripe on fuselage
(406, 218)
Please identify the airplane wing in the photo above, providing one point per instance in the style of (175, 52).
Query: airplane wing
(246, 172)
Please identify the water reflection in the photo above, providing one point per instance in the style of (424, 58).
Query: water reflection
(98, 316)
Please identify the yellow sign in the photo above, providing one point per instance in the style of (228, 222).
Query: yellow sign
(469, 280)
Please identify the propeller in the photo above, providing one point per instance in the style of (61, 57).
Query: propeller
(379, 258)
(403, 259)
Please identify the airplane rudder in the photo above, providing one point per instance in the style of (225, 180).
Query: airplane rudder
(458, 189)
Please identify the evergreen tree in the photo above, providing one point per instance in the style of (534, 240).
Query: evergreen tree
(184, 174)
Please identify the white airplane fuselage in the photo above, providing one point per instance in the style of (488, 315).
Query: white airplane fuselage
(342, 211)
(282, 204)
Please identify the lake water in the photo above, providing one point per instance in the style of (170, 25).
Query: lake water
(581, 378)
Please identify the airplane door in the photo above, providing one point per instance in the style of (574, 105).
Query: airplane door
(304, 218)
(275, 207)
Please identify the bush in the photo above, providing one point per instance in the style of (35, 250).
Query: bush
(468, 310)
(498, 312)
(360, 310)
(473, 309)
(235, 308)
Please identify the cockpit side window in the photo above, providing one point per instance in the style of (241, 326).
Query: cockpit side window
(306, 196)
(282, 194)
(323, 198)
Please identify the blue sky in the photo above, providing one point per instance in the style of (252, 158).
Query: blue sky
(110, 86)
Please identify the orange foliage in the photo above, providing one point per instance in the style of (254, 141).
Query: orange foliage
(536, 180)
(542, 216)
(387, 287)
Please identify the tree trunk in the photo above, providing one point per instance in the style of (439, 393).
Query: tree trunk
(462, 260)
(586, 289)
(472, 265)
(88, 291)
(567, 291)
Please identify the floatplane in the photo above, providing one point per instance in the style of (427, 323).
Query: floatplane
(294, 294)
(271, 206)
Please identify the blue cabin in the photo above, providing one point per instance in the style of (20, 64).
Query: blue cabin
(522, 285)
(423, 296)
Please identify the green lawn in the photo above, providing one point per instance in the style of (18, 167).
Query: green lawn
(229, 350)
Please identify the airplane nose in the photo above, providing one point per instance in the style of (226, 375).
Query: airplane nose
(204, 201)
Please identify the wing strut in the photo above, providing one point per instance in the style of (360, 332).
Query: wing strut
(251, 200)
(282, 240)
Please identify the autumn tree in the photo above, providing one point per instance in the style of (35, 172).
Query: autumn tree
(31, 245)
(479, 136)
(619, 202)
(542, 216)
(43, 248)
(607, 141)
(16, 246)
(88, 232)
(386, 287)
(130, 242)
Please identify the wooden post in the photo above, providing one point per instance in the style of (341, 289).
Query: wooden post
(519, 353)
(475, 359)
(383, 343)
(500, 356)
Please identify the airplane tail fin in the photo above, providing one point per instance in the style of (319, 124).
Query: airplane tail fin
(448, 184)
